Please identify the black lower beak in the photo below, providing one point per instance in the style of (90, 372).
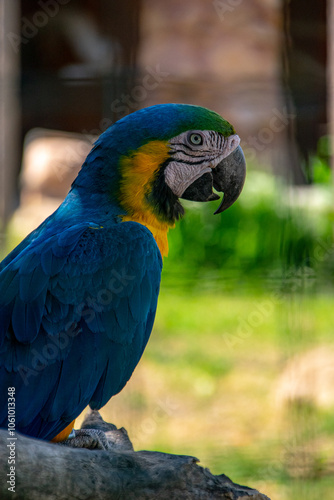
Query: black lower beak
(201, 189)
(227, 177)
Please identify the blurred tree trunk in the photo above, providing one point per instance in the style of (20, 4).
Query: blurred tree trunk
(330, 83)
(9, 108)
(304, 78)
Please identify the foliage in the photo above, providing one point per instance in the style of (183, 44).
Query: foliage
(207, 384)
(272, 227)
(209, 388)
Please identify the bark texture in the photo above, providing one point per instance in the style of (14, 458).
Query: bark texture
(100, 464)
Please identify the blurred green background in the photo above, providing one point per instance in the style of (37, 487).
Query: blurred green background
(244, 328)
(239, 370)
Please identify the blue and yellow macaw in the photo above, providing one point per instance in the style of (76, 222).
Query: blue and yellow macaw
(78, 295)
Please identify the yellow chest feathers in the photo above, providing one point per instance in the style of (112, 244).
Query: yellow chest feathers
(139, 170)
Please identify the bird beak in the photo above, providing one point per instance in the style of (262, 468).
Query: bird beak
(227, 177)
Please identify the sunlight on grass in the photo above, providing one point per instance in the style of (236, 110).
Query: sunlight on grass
(207, 386)
(243, 296)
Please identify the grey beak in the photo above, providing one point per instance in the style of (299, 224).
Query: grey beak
(229, 177)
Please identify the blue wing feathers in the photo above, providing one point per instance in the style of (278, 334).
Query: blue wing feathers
(6, 312)
(8, 286)
(76, 310)
(32, 284)
(51, 264)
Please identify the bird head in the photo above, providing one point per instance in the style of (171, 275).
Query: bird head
(152, 158)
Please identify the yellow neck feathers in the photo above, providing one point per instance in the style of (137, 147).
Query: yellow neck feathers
(138, 172)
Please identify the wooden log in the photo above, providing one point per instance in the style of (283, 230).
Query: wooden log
(61, 472)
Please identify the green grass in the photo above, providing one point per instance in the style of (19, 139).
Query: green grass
(207, 386)
(242, 294)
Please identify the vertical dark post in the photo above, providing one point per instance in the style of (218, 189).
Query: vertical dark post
(122, 20)
(9, 108)
(330, 75)
(304, 77)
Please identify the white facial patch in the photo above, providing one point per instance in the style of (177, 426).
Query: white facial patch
(195, 153)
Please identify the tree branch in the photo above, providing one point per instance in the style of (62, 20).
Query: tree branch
(61, 472)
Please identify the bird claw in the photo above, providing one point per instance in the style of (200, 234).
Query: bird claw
(91, 439)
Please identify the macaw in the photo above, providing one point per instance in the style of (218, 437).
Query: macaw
(78, 295)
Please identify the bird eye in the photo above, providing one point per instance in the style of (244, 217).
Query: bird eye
(196, 139)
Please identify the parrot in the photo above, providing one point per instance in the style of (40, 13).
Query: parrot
(78, 296)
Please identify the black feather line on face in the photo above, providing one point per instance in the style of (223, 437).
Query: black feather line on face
(164, 202)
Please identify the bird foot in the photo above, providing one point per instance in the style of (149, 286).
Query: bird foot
(91, 439)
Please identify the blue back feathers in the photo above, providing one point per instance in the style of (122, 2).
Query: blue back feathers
(78, 296)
